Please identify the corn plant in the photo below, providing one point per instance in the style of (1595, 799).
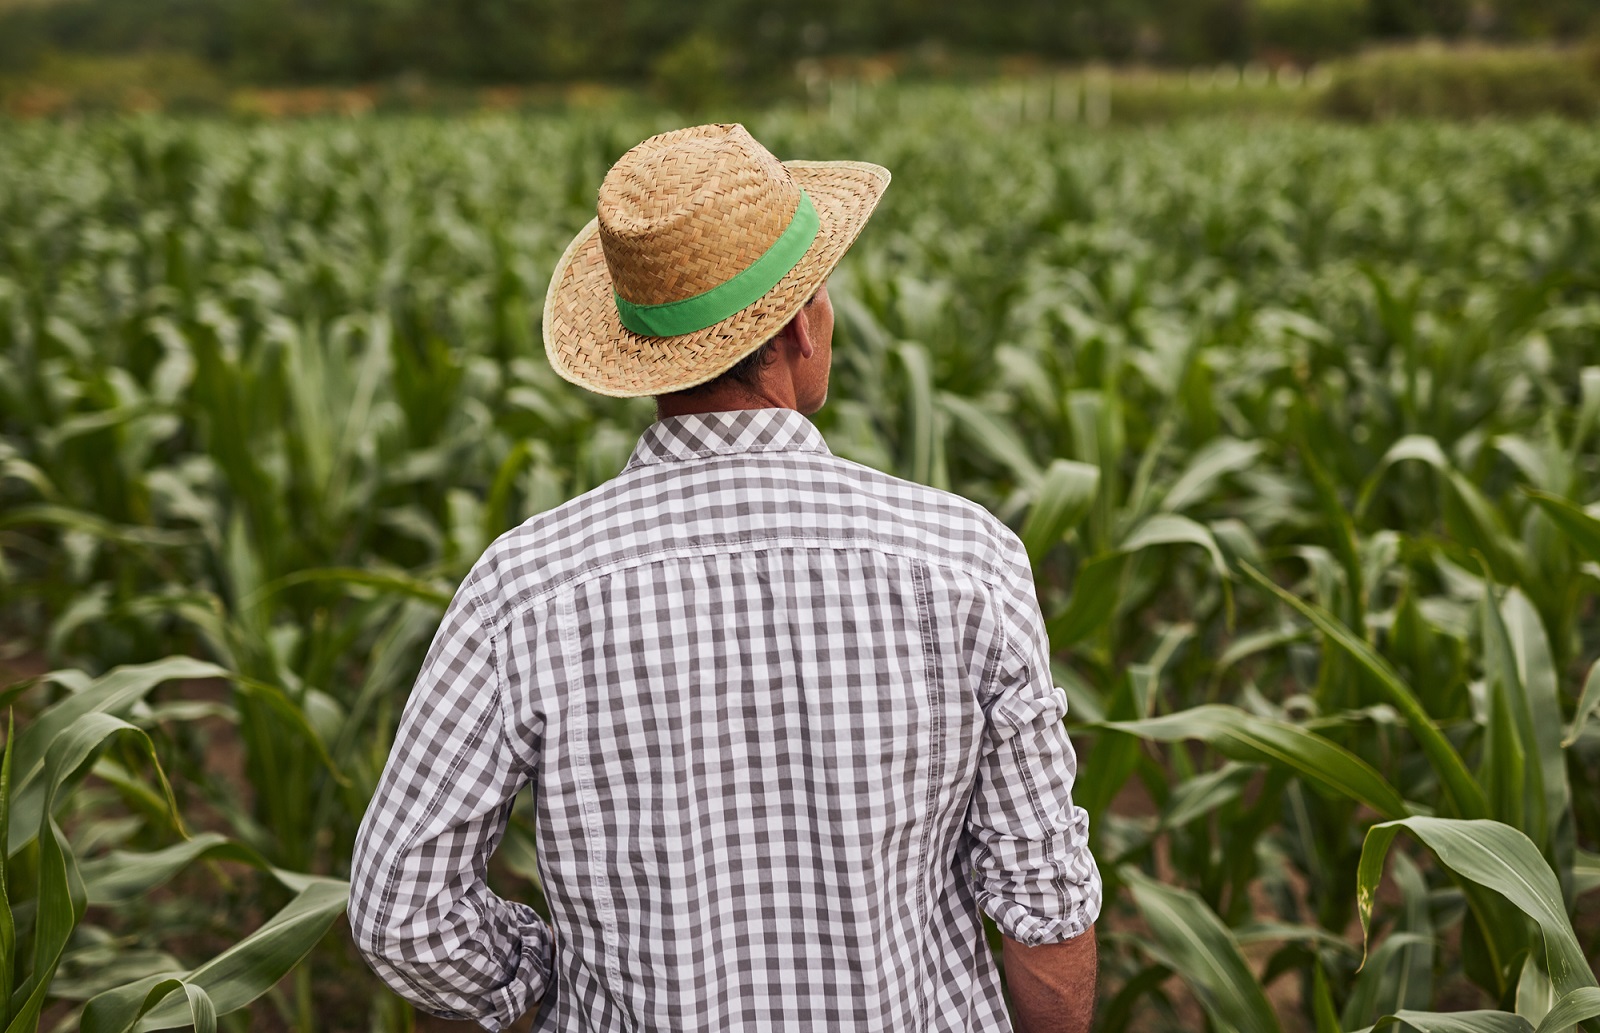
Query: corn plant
(1299, 424)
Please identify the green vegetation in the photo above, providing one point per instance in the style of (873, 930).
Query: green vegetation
(695, 76)
(744, 45)
(1301, 424)
(1434, 83)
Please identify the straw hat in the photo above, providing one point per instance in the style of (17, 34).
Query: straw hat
(704, 246)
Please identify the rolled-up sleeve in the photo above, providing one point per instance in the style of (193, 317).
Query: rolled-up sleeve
(421, 911)
(1029, 842)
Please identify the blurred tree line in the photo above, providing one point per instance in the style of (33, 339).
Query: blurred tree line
(740, 42)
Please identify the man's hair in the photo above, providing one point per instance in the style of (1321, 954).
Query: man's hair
(747, 371)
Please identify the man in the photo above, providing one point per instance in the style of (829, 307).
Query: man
(789, 721)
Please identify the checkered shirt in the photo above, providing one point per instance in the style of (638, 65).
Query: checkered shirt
(789, 723)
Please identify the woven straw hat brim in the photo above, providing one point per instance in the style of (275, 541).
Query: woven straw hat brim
(587, 344)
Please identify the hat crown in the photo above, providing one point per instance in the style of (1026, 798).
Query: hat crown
(688, 210)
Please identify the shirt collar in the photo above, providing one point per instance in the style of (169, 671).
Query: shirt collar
(699, 435)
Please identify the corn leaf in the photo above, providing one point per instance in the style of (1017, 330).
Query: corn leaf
(8, 925)
(71, 755)
(1523, 762)
(1581, 1005)
(922, 420)
(1061, 500)
(1588, 703)
(233, 978)
(1455, 1022)
(1586, 870)
(1242, 736)
(113, 693)
(1458, 783)
(122, 875)
(1581, 526)
(1399, 975)
(60, 904)
(1210, 464)
(1093, 603)
(1189, 938)
(1496, 857)
(995, 437)
(389, 582)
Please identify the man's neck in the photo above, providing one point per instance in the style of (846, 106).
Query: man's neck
(722, 399)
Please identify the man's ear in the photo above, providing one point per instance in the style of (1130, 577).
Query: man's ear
(799, 331)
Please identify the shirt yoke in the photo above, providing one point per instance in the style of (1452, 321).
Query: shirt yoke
(711, 504)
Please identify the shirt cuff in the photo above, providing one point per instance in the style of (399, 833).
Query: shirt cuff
(530, 975)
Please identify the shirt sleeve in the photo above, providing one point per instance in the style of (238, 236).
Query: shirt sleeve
(1029, 843)
(421, 912)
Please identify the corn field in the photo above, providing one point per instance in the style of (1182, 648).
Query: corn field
(1300, 425)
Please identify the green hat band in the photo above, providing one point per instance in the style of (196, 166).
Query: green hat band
(711, 307)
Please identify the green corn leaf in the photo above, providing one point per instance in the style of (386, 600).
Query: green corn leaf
(1494, 856)
(1535, 994)
(1293, 932)
(1061, 500)
(233, 978)
(8, 925)
(1399, 975)
(1242, 736)
(297, 717)
(1377, 984)
(71, 755)
(1455, 1022)
(1412, 984)
(1581, 1005)
(61, 903)
(1464, 792)
(1204, 793)
(1323, 1012)
(1117, 755)
(387, 582)
(1582, 527)
(1588, 703)
(123, 875)
(1471, 516)
(1588, 408)
(88, 524)
(202, 1012)
(1172, 529)
(995, 437)
(495, 508)
(1093, 603)
(923, 422)
(1521, 741)
(1518, 659)
(1340, 527)
(1210, 464)
(1188, 937)
(1586, 871)
(113, 693)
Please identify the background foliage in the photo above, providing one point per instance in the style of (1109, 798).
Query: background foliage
(1301, 425)
(754, 42)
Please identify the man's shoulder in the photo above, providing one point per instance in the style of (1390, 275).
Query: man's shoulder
(970, 531)
(839, 498)
(523, 560)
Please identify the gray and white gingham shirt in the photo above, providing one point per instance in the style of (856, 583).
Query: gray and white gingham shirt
(790, 723)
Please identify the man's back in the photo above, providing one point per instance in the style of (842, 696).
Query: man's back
(789, 722)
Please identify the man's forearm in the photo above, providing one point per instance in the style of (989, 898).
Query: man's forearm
(1052, 985)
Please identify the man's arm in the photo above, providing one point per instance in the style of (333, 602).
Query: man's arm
(1052, 985)
(421, 913)
(1029, 843)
